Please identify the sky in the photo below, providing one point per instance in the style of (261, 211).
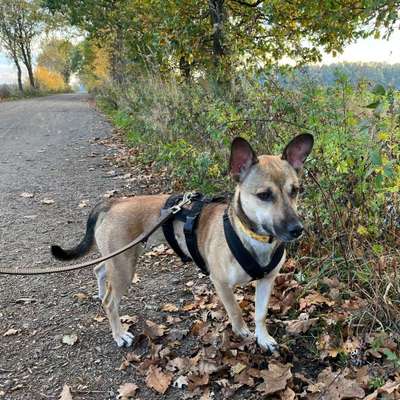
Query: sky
(363, 50)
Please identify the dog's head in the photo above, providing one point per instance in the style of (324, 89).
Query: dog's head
(269, 185)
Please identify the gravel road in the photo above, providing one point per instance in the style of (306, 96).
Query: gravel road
(50, 163)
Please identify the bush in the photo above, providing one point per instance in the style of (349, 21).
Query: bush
(351, 181)
(5, 91)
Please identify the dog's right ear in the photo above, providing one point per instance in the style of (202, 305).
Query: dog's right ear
(241, 159)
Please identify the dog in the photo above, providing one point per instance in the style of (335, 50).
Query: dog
(263, 206)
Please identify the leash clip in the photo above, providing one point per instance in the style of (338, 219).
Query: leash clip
(187, 199)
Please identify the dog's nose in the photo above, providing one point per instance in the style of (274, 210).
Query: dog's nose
(295, 230)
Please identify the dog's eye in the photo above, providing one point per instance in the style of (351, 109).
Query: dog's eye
(266, 196)
(294, 192)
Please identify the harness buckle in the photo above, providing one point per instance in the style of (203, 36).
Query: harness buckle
(187, 199)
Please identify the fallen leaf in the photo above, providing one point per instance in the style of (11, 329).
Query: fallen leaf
(66, 393)
(158, 380)
(299, 325)
(197, 380)
(154, 330)
(110, 193)
(80, 296)
(314, 298)
(238, 368)
(99, 318)
(26, 195)
(47, 201)
(83, 204)
(12, 332)
(127, 391)
(335, 386)
(169, 307)
(288, 394)
(70, 340)
(275, 378)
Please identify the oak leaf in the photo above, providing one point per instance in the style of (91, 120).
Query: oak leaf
(127, 391)
(334, 386)
(275, 378)
(158, 380)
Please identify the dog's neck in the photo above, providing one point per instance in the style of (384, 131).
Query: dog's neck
(261, 249)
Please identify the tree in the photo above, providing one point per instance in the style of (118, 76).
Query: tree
(23, 21)
(9, 42)
(220, 35)
(56, 56)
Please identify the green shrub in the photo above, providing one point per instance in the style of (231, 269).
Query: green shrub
(351, 181)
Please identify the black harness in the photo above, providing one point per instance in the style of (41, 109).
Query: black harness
(245, 258)
(190, 218)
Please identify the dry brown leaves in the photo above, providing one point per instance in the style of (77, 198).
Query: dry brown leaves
(334, 386)
(158, 380)
(275, 378)
(127, 391)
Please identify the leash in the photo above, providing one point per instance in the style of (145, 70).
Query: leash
(167, 214)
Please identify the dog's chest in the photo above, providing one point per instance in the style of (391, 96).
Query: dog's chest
(261, 251)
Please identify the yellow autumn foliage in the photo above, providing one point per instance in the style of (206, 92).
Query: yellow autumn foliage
(49, 80)
(96, 72)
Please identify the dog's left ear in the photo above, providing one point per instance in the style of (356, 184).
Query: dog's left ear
(242, 158)
(297, 150)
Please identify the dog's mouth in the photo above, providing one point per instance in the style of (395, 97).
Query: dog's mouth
(290, 233)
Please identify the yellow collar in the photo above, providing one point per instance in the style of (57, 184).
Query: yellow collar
(252, 234)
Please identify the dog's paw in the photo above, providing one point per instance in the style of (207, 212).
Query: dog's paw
(267, 343)
(124, 340)
(243, 331)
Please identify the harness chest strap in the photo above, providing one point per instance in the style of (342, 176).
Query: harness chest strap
(244, 257)
(190, 217)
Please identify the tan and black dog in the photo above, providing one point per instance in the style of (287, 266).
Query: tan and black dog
(263, 207)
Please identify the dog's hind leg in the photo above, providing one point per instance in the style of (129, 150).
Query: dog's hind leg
(101, 274)
(225, 293)
(120, 271)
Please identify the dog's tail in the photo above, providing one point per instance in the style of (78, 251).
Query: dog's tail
(85, 245)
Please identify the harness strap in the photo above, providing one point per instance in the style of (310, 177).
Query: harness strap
(189, 230)
(168, 230)
(244, 257)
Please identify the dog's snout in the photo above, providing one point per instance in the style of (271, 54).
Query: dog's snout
(295, 230)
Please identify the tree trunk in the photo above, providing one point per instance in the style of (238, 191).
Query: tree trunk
(184, 66)
(19, 72)
(216, 8)
(117, 63)
(27, 59)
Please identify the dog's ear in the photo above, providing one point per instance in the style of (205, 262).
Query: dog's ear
(242, 158)
(297, 150)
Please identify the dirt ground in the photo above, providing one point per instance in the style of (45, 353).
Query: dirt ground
(58, 158)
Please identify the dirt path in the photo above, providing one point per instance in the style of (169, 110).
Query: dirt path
(47, 150)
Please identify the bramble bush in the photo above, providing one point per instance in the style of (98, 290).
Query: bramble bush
(351, 181)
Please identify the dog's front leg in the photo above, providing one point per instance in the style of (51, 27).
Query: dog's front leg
(225, 293)
(263, 292)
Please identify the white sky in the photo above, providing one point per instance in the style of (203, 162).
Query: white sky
(364, 50)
